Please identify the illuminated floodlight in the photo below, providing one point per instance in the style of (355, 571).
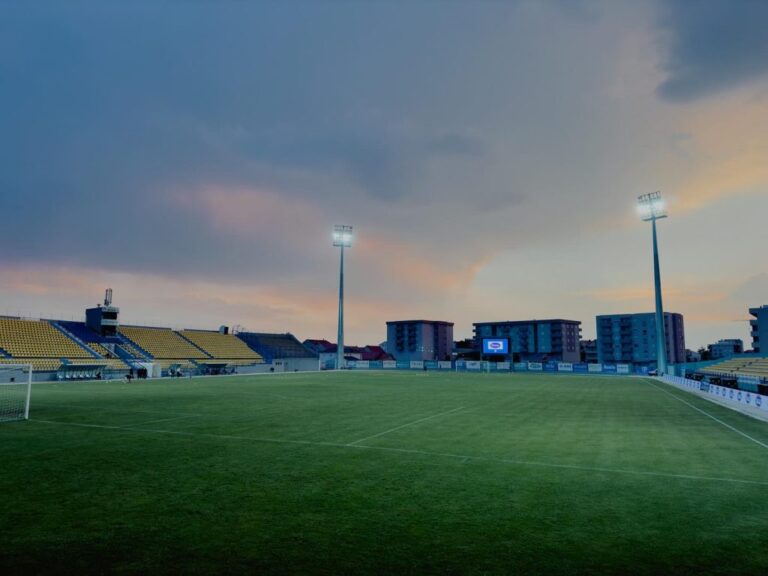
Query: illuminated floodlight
(342, 236)
(651, 206)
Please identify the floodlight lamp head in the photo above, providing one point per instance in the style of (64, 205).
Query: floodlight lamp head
(342, 235)
(651, 206)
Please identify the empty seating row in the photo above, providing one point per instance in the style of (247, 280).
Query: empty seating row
(220, 345)
(100, 350)
(162, 342)
(743, 365)
(276, 345)
(132, 350)
(37, 339)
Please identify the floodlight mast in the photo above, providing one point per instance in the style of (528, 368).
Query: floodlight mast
(342, 237)
(651, 207)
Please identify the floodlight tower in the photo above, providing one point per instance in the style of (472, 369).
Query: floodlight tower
(342, 237)
(651, 208)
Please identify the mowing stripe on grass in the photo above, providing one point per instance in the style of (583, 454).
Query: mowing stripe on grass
(372, 436)
(708, 415)
(114, 410)
(463, 457)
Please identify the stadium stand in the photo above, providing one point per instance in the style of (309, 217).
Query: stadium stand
(272, 346)
(100, 350)
(81, 332)
(130, 350)
(222, 346)
(745, 365)
(37, 339)
(73, 350)
(103, 346)
(162, 343)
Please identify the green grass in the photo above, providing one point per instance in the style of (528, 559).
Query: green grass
(396, 473)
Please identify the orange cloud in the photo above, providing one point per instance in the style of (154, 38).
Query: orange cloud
(248, 211)
(57, 292)
(727, 150)
(685, 295)
(420, 268)
(39, 281)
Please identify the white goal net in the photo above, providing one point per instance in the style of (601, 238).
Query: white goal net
(15, 391)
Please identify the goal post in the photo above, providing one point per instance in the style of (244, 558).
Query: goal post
(15, 391)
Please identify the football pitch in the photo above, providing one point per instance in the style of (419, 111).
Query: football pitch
(382, 473)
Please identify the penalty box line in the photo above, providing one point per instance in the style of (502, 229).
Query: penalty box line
(446, 455)
(372, 436)
(708, 415)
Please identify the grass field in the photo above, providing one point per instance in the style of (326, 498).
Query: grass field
(396, 473)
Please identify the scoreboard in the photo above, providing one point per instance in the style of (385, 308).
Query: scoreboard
(495, 346)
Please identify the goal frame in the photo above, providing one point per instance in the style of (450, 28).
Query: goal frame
(28, 397)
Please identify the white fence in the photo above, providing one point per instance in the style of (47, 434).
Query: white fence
(721, 394)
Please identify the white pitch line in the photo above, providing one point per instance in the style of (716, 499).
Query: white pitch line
(462, 457)
(405, 425)
(708, 415)
(191, 434)
(165, 420)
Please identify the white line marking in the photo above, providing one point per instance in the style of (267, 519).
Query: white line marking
(707, 414)
(562, 466)
(462, 457)
(405, 425)
(165, 420)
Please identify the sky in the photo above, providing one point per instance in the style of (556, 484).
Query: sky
(195, 155)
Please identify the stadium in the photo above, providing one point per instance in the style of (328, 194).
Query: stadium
(233, 453)
(388, 289)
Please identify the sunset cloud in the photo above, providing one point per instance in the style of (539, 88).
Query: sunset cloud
(489, 160)
(727, 150)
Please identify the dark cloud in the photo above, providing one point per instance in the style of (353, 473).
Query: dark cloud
(107, 106)
(425, 121)
(712, 46)
(457, 144)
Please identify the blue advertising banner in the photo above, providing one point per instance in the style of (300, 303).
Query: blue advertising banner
(550, 367)
(609, 368)
(581, 368)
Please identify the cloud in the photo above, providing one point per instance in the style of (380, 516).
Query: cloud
(207, 149)
(754, 290)
(156, 300)
(723, 153)
(712, 46)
